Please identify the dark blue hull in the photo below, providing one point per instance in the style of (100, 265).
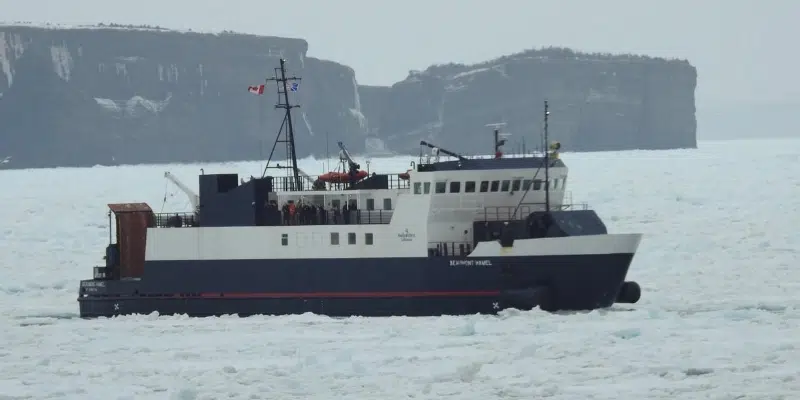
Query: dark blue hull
(427, 286)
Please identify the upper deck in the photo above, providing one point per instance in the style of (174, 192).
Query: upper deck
(314, 183)
(483, 164)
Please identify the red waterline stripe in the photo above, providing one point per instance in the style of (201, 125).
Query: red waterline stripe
(281, 295)
(345, 294)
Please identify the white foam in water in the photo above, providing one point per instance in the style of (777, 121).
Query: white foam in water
(719, 316)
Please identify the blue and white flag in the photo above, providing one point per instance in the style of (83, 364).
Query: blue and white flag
(293, 86)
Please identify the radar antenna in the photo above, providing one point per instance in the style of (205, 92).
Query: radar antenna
(499, 138)
(286, 131)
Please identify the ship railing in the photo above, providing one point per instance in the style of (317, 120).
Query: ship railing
(312, 183)
(329, 217)
(396, 182)
(427, 160)
(567, 199)
(175, 220)
(511, 213)
(449, 249)
(284, 218)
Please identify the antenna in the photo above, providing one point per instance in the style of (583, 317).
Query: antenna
(546, 169)
(498, 142)
(283, 89)
(546, 162)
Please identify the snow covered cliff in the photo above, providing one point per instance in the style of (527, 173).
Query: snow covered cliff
(110, 95)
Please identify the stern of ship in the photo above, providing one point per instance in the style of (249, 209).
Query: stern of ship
(115, 287)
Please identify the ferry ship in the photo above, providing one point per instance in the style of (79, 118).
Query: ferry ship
(453, 235)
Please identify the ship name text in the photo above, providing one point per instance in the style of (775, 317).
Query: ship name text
(470, 263)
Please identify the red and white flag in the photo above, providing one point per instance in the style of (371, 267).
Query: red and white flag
(259, 90)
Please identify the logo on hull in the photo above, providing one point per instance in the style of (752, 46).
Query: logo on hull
(406, 236)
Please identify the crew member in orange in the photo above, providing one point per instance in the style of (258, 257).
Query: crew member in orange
(292, 209)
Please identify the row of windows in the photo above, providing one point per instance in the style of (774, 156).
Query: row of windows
(488, 186)
(387, 204)
(351, 238)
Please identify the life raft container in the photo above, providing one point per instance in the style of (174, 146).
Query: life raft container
(342, 177)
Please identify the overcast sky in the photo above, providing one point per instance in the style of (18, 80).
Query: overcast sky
(745, 51)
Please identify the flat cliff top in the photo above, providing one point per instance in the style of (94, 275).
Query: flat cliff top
(150, 29)
(533, 54)
(545, 55)
(123, 27)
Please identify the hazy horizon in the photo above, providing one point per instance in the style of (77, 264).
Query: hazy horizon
(740, 48)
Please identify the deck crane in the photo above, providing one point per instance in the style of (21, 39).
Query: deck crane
(436, 150)
(352, 166)
(194, 199)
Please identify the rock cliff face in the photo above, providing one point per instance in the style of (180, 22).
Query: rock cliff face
(108, 95)
(598, 102)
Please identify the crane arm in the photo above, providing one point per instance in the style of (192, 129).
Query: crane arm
(194, 199)
(441, 150)
(352, 164)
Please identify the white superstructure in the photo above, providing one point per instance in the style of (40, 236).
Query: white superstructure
(404, 221)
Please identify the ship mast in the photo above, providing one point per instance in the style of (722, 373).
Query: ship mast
(546, 162)
(499, 138)
(282, 82)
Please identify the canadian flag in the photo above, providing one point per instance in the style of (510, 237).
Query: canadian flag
(256, 89)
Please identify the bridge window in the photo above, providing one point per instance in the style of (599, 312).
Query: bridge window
(427, 187)
(563, 182)
(351, 238)
(484, 186)
(469, 187)
(441, 187)
(526, 184)
(515, 185)
(387, 204)
(455, 187)
(495, 185)
(335, 238)
(336, 203)
(368, 239)
(555, 183)
(285, 239)
(370, 204)
(537, 184)
(417, 188)
(506, 185)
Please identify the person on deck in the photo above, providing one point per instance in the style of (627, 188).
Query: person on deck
(336, 213)
(292, 212)
(285, 212)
